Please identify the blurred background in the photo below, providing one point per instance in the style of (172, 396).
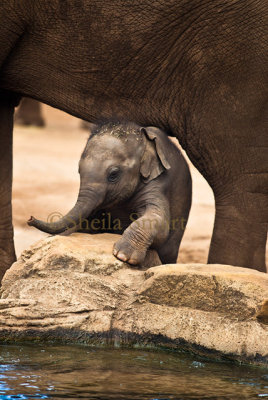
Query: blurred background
(46, 181)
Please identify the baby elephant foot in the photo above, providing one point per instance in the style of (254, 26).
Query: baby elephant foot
(125, 252)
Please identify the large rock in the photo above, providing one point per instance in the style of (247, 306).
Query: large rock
(73, 290)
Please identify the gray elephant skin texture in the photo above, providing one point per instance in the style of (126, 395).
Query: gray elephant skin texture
(195, 69)
(133, 181)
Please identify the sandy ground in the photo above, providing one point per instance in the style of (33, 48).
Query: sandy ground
(46, 182)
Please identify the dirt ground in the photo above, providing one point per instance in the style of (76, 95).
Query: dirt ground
(46, 183)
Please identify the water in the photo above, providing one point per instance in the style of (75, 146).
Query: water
(77, 372)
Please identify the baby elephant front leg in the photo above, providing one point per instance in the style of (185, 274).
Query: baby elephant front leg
(152, 228)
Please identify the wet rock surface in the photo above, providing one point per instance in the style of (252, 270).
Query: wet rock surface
(72, 289)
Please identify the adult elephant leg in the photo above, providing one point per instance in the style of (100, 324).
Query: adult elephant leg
(230, 150)
(241, 196)
(29, 113)
(239, 181)
(240, 229)
(7, 251)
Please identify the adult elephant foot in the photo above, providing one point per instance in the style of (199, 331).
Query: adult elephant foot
(7, 252)
(7, 257)
(240, 231)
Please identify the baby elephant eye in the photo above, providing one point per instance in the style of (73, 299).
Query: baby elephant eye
(114, 174)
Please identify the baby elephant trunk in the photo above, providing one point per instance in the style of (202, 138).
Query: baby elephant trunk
(84, 206)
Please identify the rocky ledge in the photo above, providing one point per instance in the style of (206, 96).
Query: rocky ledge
(71, 289)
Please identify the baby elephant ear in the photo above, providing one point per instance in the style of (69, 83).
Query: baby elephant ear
(154, 160)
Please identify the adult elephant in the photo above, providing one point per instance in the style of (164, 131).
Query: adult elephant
(196, 69)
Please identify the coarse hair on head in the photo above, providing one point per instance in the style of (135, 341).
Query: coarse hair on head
(115, 128)
(119, 129)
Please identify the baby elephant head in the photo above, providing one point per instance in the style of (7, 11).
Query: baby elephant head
(117, 160)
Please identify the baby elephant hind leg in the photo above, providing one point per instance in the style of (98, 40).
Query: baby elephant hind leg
(168, 252)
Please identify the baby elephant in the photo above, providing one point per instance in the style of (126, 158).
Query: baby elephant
(133, 181)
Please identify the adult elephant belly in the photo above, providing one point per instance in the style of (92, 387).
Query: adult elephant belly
(92, 74)
(84, 94)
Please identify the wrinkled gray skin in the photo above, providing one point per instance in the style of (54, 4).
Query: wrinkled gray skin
(196, 69)
(139, 177)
